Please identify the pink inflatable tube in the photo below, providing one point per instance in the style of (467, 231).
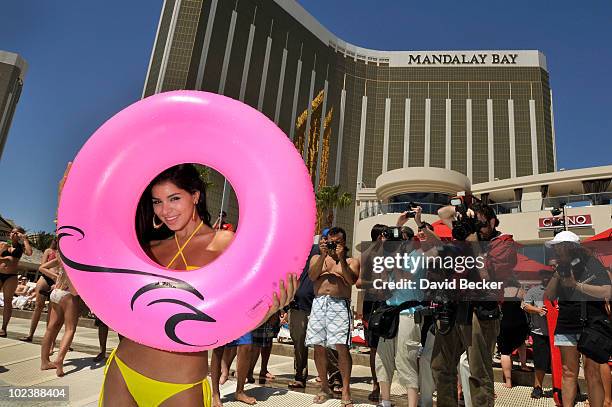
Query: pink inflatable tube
(201, 309)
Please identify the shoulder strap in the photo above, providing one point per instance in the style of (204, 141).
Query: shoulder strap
(181, 248)
(583, 312)
(407, 304)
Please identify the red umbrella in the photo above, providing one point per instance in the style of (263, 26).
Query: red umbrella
(600, 246)
(527, 265)
(527, 269)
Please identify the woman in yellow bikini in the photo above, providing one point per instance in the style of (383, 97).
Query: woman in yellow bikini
(137, 375)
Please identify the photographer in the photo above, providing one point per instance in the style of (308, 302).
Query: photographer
(331, 322)
(477, 319)
(299, 313)
(400, 352)
(581, 283)
(373, 299)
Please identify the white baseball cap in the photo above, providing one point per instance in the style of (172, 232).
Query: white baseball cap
(564, 236)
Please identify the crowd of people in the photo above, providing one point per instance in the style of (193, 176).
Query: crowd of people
(434, 344)
(64, 306)
(447, 346)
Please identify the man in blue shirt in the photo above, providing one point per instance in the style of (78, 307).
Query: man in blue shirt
(400, 353)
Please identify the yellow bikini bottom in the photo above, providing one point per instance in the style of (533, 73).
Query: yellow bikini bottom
(149, 392)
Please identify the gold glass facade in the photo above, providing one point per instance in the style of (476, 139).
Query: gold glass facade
(258, 51)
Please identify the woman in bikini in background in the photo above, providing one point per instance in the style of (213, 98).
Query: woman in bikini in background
(63, 310)
(9, 259)
(173, 226)
(43, 290)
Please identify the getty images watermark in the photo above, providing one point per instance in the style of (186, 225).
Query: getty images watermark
(411, 263)
(457, 268)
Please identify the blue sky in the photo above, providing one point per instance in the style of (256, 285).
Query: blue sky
(87, 60)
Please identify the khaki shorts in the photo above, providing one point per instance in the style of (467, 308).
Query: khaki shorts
(400, 353)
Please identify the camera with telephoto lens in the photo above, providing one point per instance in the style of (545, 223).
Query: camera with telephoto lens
(443, 314)
(565, 269)
(464, 225)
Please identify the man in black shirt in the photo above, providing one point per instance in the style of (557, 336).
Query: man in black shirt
(373, 300)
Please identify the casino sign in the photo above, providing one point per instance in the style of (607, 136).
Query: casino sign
(573, 221)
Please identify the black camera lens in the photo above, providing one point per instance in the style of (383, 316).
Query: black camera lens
(464, 227)
(564, 270)
(392, 234)
(331, 245)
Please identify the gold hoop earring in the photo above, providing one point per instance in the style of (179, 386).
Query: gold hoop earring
(155, 225)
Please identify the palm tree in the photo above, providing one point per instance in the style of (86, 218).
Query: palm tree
(328, 199)
(205, 175)
(43, 240)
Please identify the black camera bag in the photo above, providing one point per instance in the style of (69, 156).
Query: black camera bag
(596, 338)
(384, 321)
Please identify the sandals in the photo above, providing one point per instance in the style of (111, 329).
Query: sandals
(296, 385)
(345, 403)
(267, 376)
(322, 397)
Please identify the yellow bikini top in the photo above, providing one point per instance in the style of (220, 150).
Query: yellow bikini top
(180, 249)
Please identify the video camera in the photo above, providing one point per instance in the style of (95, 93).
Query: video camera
(392, 234)
(464, 225)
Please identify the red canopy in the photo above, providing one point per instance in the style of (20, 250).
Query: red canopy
(601, 246)
(605, 235)
(525, 264)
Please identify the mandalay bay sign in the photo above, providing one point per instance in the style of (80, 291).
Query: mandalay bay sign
(462, 59)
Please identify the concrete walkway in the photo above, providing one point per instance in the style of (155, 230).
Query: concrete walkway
(20, 366)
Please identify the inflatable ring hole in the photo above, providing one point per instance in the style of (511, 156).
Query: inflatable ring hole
(181, 212)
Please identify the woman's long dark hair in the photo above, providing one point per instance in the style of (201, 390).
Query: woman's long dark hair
(184, 176)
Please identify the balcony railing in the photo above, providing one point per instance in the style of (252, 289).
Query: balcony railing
(575, 201)
(569, 201)
(397, 207)
(528, 205)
